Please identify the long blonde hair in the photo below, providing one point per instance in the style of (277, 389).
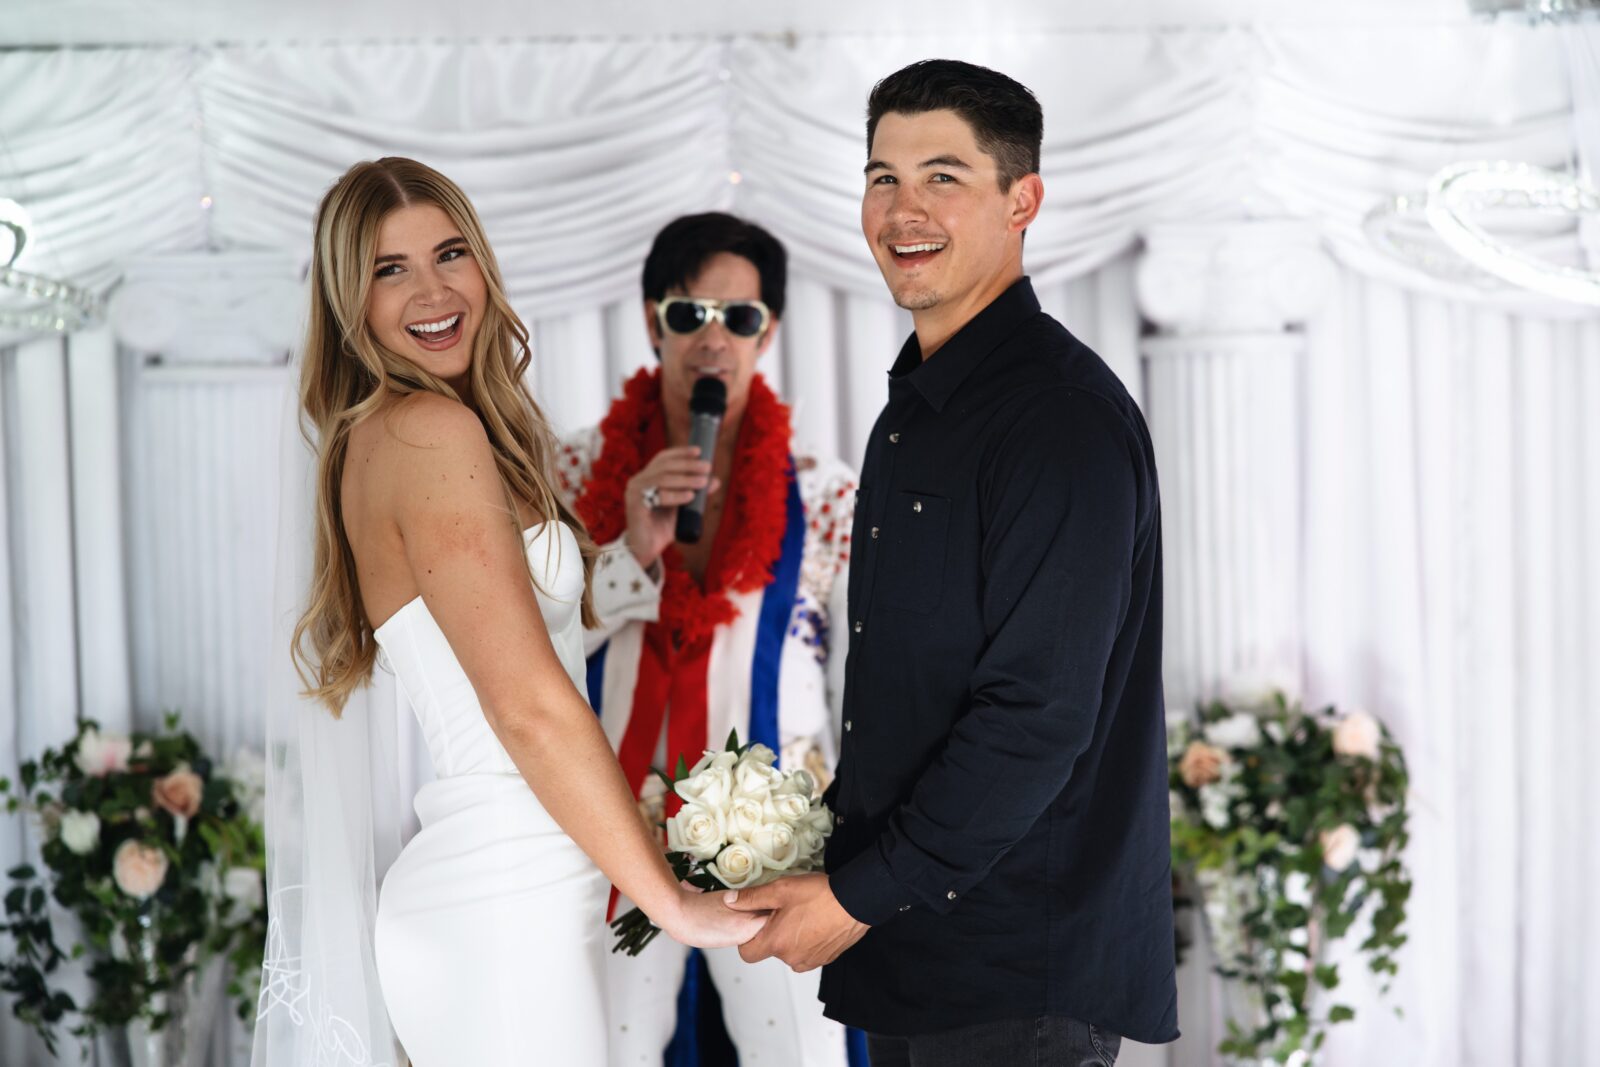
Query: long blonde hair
(348, 374)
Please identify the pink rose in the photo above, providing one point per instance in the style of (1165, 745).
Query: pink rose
(1357, 734)
(100, 755)
(1201, 764)
(1339, 846)
(139, 869)
(179, 792)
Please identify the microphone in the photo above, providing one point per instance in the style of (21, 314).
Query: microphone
(707, 404)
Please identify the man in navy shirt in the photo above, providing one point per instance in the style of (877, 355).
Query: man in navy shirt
(999, 886)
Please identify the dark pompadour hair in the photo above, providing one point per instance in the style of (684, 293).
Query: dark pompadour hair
(683, 247)
(1004, 115)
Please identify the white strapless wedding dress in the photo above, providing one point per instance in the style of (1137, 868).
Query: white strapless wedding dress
(489, 944)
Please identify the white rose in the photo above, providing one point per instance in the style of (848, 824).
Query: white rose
(819, 820)
(80, 831)
(756, 779)
(737, 866)
(760, 754)
(775, 846)
(810, 843)
(796, 783)
(710, 787)
(1357, 734)
(1214, 804)
(786, 807)
(1236, 731)
(745, 817)
(242, 885)
(102, 754)
(697, 830)
(722, 761)
(1339, 846)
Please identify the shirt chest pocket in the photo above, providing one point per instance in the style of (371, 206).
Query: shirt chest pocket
(911, 561)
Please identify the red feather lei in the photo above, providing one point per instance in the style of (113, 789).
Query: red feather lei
(750, 535)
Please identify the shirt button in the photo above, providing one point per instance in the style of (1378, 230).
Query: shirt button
(951, 895)
(847, 726)
(838, 820)
(916, 505)
(858, 627)
(894, 438)
(874, 533)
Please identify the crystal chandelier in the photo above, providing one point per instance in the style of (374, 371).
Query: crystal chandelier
(1552, 10)
(1444, 230)
(49, 304)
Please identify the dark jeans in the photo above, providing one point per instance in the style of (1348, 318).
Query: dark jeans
(1048, 1041)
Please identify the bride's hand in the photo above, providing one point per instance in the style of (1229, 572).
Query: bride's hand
(705, 921)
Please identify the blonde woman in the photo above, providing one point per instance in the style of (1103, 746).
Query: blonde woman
(440, 543)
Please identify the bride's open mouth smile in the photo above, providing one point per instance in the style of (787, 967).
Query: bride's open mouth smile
(436, 335)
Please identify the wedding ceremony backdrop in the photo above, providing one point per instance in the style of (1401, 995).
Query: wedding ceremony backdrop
(1381, 477)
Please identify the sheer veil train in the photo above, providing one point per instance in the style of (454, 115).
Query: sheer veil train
(336, 805)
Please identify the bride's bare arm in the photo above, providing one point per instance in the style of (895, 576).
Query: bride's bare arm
(467, 559)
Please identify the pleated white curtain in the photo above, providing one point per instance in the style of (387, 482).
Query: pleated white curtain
(1452, 473)
(1446, 464)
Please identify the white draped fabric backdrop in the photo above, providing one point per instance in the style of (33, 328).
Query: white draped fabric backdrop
(1380, 489)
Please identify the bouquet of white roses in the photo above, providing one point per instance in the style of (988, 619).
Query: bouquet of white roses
(743, 823)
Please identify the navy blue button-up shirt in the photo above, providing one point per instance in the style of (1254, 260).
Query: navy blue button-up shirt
(1002, 789)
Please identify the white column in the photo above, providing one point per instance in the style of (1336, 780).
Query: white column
(1223, 397)
(41, 554)
(94, 403)
(1223, 387)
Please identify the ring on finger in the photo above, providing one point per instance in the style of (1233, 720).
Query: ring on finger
(652, 496)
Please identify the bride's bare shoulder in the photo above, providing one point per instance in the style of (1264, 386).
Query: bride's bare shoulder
(419, 429)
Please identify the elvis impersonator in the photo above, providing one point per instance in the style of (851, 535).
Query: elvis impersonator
(739, 629)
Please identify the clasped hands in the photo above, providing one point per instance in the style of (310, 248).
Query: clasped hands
(806, 926)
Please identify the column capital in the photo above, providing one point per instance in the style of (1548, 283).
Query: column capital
(211, 307)
(1250, 276)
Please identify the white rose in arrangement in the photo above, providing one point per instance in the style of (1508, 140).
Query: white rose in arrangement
(1339, 846)
(80, 831)
(697, 830)
(242, 885)
(1236, 731)
(798, 783)
(745, 817)
(737, 866)
(710, 787)
(786, 807)
(1215, 805)
(248, 771)
(756, 779)
(760, 754)
(776, 846)
(1357, 734)
(102, 754)
(722, 761)
(819, 820)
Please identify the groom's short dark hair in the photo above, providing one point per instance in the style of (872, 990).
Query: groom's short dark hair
(686, 244)
(1004, 115)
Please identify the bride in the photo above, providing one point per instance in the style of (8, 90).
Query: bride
(440, 545)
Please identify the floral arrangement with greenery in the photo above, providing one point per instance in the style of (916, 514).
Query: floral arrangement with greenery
(160, 858)
(1293, 825)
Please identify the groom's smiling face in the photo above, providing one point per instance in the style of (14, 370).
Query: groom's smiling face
(933, 212)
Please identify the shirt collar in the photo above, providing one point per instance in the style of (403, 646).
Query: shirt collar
(939, 376)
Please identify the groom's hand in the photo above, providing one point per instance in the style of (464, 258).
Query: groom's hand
(808, 927)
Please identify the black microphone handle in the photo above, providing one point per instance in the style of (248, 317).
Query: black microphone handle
(691, 516)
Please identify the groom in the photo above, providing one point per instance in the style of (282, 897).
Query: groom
(1000, 872)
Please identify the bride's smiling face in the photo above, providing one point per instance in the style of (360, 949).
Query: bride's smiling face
(428, 295)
